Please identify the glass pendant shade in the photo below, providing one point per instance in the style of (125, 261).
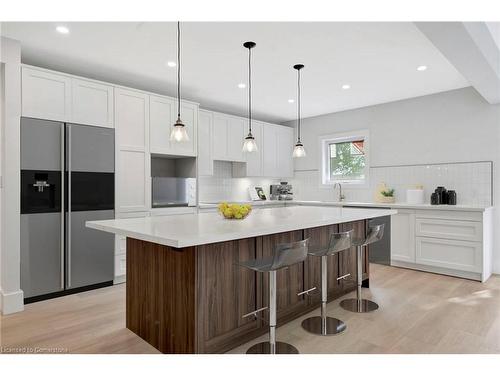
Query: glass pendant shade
(179, 133)
(299, 151)
(249, 144)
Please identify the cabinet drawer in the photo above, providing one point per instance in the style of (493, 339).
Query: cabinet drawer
(457, 255)
(120, 265)
(449, 215)
(450, 229)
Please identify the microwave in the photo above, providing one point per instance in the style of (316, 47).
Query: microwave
(173, 192)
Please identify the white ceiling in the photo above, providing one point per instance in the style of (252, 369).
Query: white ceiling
(378, 60)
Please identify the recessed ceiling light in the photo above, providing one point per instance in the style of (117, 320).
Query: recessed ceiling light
(291, 101)
(62, 29)
(346, 87)
(421, 68)
(171, 64)
(241, 85)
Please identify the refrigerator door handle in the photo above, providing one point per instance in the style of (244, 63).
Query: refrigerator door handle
(63, 213)
(68, 221)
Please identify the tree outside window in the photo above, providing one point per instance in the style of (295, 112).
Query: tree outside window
(347, 160)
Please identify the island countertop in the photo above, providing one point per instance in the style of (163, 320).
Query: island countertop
(203, 228)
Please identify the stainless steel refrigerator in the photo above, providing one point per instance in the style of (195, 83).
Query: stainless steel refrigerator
(67, 178)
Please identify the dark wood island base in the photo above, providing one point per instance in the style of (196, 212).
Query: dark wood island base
(191, 300)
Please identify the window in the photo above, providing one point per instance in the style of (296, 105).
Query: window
(345, 158)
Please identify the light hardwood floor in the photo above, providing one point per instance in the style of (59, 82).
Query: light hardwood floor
(419, 313)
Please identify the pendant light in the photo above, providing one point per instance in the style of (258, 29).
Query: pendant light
(249, 144)
(179, 133)
(298, 150)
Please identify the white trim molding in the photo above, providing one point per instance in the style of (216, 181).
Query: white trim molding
(11, 295)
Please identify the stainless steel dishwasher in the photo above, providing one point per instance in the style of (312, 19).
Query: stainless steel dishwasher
(380, 251)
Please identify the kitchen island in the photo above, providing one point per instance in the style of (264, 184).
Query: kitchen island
(186, 292)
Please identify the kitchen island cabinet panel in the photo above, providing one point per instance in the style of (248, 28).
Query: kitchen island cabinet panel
(290, 280)
(225, 293)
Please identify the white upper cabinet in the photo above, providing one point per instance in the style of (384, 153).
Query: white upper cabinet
(56, 96)
(162, 118)
(270, 150)
(254, 159)
(228, 135)
(219, 136)
(133, 166)
(92, 103)
(285, 151)
(162, 111)
(205, 129)
(236, 132)
(46, 95)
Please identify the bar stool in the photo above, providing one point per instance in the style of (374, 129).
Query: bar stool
(284, 255)
(324, 325)
(359, 304)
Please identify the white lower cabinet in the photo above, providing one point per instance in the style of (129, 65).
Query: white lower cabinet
(456, 243)
(403, 236)
(452, 254)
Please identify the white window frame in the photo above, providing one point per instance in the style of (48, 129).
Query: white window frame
(325, 140)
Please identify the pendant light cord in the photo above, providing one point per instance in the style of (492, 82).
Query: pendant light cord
(298, 103)
(178, 69)
(250, 90)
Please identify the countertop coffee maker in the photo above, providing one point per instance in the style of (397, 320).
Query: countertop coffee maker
(282, 192)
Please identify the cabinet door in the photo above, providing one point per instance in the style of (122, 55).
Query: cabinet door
(220, 137)
(254, 159)
(161, 119)
(320, 238)
(452, 254)
(403, 236)
(205, 133)
(189, 116)
(92, 103)
(46, 95)
(226, 292)
(285, 150)
(132, 194)
(290, 281)
(235, 134)
(133, 165)
(347, 260)
(269, 151)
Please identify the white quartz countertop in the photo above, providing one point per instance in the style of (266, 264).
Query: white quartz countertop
(210, 227)
(401, 205)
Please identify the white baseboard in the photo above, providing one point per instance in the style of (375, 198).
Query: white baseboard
(439, 270)
(11, 303)
(119, 279)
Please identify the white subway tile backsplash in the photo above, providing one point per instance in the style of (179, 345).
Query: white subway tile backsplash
(223, 187)
(471, 181)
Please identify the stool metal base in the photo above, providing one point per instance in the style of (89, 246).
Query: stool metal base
(265, 348)
(360, 306)
(318, 326)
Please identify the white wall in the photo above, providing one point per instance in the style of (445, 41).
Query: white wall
(453, 126)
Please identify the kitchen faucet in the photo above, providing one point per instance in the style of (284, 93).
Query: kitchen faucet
(341, 196)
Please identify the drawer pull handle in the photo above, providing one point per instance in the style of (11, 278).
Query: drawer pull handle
(343, 276)
(307, 292)
(254, 313)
